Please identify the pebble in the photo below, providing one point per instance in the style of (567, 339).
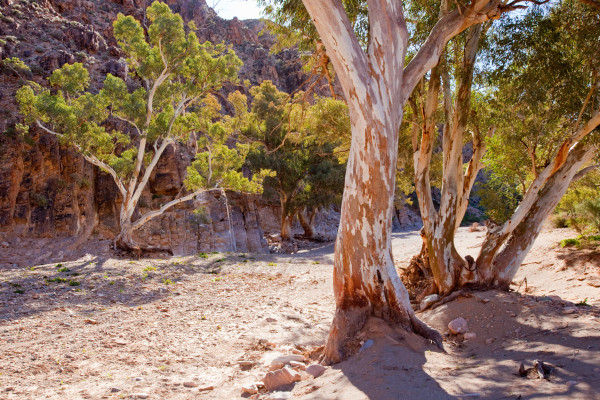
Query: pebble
(315, 370)
(571, 383)
(140, 395)
(5, 244)
(470, 335)
(458, 325)
(139, 379)
(285, 360)
(206, 388)
(250, 389)
(190, 384)
(569, 310)
(490, 340)
(270, 319)
(297, 364)
(114, 390)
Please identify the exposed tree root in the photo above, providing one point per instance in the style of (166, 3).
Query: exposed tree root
(452, 296)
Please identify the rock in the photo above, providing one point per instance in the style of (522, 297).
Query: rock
(285, 360)
(297, 364)
(5, 244)
(470, 335)
(569, 310)
(270, 319)
(139, 379)
(250, 389)
(428, 300)
(458, 325)
(206, 388)
(571, 383)
(140, 395)
(315, 370)
(114, 390)
(246, 364)
(280, 377)
(190, 384)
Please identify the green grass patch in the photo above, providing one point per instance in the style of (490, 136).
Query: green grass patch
(570, 243)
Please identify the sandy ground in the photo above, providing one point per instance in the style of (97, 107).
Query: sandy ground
(111, 328)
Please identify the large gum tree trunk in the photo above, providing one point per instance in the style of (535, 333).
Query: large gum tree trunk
(365, 279)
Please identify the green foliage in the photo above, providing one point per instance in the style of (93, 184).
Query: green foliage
(16, 65)
(580, 206)
(302, 143)
(178, 72)
(544, 65)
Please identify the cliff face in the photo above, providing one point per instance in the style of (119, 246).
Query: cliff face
(49, 191)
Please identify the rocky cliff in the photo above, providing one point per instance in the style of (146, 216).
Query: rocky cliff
(49, 191)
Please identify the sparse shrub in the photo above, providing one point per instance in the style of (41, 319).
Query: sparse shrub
(39, 199)
(570, 242)
(73, 283)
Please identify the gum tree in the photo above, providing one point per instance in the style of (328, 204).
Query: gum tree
(297, 141)
(124, 130)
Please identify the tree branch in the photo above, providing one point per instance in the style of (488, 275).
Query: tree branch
(445, 29)
(153, 214)
(347, 57)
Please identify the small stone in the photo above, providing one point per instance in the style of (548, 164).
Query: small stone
(428, 300)
(270, 319)
(458, 325)
(285, 360)
(250, 389)
(206, 388)
(315, 370)
(190, 384)
(485, 301)
(490, 340)
(470, 335)
(569, 310)
(114, 390)
(571, 383)
(139, 379)
(298, 364)
(90, 321)
(296, 351)
(140, 395)
(5, 244)
(281, 377)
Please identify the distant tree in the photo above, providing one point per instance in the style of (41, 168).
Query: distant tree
(177, 75)
(298, 142)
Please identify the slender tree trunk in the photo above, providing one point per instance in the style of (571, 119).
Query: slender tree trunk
(231, 235)
(307, 220)
(286, 227)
